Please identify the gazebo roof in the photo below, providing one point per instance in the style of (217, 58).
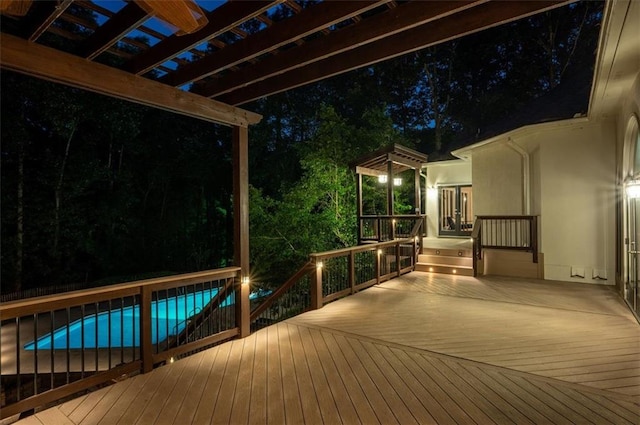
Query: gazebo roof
(402, 158)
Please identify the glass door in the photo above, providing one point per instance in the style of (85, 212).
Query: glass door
(455, 210)
(631, 290)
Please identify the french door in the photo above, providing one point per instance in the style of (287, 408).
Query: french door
(632, 289)
(455, 210)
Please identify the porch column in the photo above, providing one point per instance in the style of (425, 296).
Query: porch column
(241, 225)
(390, 198)
(389, 188)
(359, 200)
(416, 179)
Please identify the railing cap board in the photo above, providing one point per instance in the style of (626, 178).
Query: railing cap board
(506, 217)
(360, 248)
(48, 303)
(403, 216)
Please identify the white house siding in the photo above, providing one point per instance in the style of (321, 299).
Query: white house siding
(577, 200)
(572, 185)
(443, 174)
(497, 184)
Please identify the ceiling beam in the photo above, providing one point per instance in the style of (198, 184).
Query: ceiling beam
(128, 18)
(221, 20)
(41, 17)
(385, 24)
(308, 21)
(44, 62)
(481, 17)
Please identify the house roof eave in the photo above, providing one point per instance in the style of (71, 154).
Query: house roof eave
(466, 152)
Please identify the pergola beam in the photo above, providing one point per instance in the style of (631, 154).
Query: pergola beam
(33, 59)
(385, 24)
(128, 18)
(469, 21)
(308, 21)
(42, 15)
(221, 20)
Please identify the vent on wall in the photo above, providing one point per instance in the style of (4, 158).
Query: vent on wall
(577, 271)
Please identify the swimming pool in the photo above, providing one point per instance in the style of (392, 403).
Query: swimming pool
(168, 317)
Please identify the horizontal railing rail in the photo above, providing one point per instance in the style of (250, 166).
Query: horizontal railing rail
(512, 232)
(58, 345)
(381, 228)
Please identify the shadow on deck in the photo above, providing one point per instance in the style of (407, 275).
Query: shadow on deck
(421, 349)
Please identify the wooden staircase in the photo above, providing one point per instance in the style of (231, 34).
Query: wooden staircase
(447, 261)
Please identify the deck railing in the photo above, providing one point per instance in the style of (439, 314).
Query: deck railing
(59, 345)
(381, 228)
(331, 275)
(512, 232)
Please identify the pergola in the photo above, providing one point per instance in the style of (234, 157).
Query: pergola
(386, 163)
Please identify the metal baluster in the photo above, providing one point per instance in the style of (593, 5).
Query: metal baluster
(122, 342)
(82, 348)
(51, 355)
(18, 345)
(110, 305)
(166, 321)
(35, 354)
(97, 341)
(134, 300)
(186, 312)
(68, 337)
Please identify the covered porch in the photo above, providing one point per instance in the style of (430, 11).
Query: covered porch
(420, 348)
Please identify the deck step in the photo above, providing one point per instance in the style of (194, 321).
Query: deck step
(448, 252)
(444, 269)
(445, 260)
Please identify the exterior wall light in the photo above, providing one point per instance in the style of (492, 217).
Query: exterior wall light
(397, 181)
(245, 280)
(319, 265)
(632, 189)
(382, 178)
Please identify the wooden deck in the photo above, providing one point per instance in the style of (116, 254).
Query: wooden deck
(420, 349)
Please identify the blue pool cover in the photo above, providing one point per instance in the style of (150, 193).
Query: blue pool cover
(168, 317)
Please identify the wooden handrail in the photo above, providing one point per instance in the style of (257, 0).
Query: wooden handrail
(394, 216)
(303, 271)
(48, 303)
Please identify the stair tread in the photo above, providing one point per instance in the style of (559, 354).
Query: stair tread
(454, 266)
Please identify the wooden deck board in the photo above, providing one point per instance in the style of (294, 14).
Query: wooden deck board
(418, 349)
(324, 395)
(195, 391)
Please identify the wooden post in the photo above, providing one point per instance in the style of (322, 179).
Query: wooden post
(241, 226)
(417, 206)
(146, 347)
(352, 272)
(378, 256)
(398, 258)
(359, 201)
(534, 237)
(414, 253)
(390, 198)
(389, 188)
(316, 287)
